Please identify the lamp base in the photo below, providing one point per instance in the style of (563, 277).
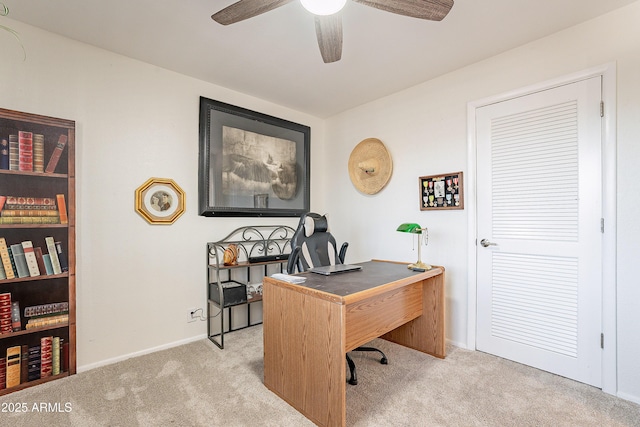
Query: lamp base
(419, 264)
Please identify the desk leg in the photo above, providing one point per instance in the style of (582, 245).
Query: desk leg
(304, 358)
(427, 332)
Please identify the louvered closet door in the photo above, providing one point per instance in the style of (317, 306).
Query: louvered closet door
(539, 208)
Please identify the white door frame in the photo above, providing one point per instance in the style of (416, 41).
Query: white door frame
(609, 197)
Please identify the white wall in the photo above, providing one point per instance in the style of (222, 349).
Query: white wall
(425, 128)
(135, 281)
(135, 121)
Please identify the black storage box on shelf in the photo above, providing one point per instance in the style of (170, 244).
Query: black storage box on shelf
(234, 293)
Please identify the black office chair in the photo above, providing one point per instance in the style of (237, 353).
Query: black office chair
(313, 246)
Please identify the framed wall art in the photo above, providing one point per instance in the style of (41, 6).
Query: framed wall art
(440, 192)
(160, 201)
(251, 164)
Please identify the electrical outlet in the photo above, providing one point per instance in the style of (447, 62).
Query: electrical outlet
(193, 314)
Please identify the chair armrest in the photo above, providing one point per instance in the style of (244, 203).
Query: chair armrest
(292, 262)
(343, 252)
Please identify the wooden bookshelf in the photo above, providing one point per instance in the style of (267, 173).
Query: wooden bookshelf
(42, 289)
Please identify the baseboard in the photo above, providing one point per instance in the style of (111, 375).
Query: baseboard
(458, 344)
(629, 397)
(106, 362)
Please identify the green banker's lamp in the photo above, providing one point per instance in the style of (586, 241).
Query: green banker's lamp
(416, 229)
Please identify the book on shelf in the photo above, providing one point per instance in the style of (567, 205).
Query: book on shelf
(40, 259)
(62, 257)
(24, 363)
(29, 212)
(4, 154)
(14, 153)
(3, 373)
(38, 153)
(53, 253)
(22, 202)
(16, 320)
(47, 263)
(46, 321)
(33, 372)
(5, 313)
(21, 262)
(3, 199)
(57, 152)
(56, 356)
(62, 209)
(13, 366)
(13, 262)
(6, 259)
(30, 258)
(15, 207)
(46, 356)
(25, 151)
(29, 220)
(64, 355)
(3, 275)
(46, 309)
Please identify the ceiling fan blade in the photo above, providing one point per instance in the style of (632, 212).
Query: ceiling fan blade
(433, 10)
(329, 33)
(245, 9)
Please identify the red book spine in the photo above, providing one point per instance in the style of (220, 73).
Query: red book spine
(55, 156)
(3, 373)
(46, 357)
(25, 151)
(6, 325)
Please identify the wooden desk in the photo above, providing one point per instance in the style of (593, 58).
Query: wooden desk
(308, 328)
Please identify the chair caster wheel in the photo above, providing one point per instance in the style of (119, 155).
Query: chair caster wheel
(384, 361)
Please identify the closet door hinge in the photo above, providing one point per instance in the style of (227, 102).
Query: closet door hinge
(602, 341)
(602, 225)
(601, 108)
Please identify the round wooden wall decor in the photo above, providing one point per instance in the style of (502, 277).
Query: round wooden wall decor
(370, 166)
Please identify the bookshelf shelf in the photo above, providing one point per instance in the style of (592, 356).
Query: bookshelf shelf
(32, 279)
(34, 330)
(33, 383)
(36, 174)
(33, 226)
(261, 250)
(32, 193)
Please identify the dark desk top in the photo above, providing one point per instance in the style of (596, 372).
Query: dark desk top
(373, 274)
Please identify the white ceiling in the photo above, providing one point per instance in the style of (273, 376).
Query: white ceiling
(275, 56)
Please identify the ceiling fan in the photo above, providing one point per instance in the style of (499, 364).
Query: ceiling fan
(329, 21)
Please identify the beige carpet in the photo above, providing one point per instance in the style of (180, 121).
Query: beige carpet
(199, 385)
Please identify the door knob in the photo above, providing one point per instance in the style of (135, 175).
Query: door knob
(485, 243)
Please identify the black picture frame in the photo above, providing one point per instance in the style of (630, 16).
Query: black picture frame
(251, 164)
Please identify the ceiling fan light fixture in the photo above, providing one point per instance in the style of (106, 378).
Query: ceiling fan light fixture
(323, 7)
